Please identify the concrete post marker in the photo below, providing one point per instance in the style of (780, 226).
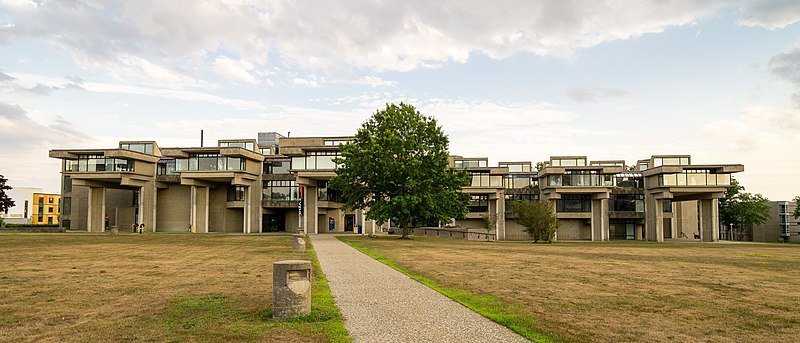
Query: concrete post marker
(298, 243)
(291, 288)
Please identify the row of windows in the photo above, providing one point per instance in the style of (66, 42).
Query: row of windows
(512, 198)
(517, 181)
(574, 203)
(670, 161)
(200, 162)
(247, 145)
(277, 167)
(626, 203)
(568, 162)
(478, 203)
(463, 164)
(98, 163)
(280, 190)
(146, 148)
(483, 179)
(697, 177)
(585, 178)
(316, 160)
(516, 168)
(336, 142)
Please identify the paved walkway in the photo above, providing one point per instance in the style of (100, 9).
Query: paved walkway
(381, 304)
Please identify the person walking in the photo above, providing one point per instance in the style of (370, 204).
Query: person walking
(106, 222)
(331, 223)
(141, 228)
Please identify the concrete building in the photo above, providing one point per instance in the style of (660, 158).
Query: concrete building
(22, 210)
(278, 183)
(45, 209)
(781, 227)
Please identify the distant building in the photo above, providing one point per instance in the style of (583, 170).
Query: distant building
(45, 208)
(781, 227)
(22, 210)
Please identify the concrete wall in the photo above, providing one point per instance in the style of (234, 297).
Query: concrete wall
(174, 208)
(515, 232)
(572, 229)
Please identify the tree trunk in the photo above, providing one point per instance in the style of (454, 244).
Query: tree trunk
(405, 233)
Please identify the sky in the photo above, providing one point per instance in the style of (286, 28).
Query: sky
(507, 80)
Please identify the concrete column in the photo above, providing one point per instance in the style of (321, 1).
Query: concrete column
(501, 217)
(654, 218)
(199, 212)
(310, 211)
(97, 209)
(246, 211)
(600, 225)
(553, 205)
(709, 220)
(147, 205)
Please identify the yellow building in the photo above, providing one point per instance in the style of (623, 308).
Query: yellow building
(45, 208)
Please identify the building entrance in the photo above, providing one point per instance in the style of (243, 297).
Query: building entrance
(349, 222)
(272, 222)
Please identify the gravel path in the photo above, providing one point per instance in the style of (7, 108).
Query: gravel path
(381, 304)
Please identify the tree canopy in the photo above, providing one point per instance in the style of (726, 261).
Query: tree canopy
(538, 217)
(743, 210)
(797, 207)
(5, 201)
(396, 168)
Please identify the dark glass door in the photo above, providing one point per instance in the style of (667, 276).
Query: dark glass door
(272, 223)
(349, 222)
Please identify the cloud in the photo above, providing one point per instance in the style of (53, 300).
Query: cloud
(25, 143)
(588, 95)
(787, 67)
(238, 70)
(177, 42)
(772, 15)
(374, 81)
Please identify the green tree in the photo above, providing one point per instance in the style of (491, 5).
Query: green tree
(5, 201)
(396, 168)
(489, 223)
(740, 210)
(797, 207)
(538, 218)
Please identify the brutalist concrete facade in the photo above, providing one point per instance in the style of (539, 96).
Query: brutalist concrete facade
(278, 183)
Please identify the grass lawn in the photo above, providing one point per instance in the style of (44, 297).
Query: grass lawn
(626, 291)
(153, 287)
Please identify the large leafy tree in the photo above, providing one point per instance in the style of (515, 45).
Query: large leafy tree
(740, 210)
(5, 201)
(797, 207)
(396, 168)
(538, 217)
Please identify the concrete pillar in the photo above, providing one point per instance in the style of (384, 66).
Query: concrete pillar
(709, 220)
(553, 204)
(246, 211)
(310, 210)
(600, 221)
(298, 242)
(96, 209)
(501, 217)
(291, 288)
(654, 218)
(199, 211)
(148, 198)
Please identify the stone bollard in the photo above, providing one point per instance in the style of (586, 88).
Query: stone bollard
(298, 243)
(291, 288)
(114, 231)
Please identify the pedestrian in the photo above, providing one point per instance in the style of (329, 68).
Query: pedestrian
(133, 227)
(141, 228)
(106, 222)
(331, 223)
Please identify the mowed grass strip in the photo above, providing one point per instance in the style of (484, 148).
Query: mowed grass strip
(504, 313)
(613, 291)
(153, 287)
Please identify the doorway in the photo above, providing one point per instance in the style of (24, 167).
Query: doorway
(272, 222)
(349, 222)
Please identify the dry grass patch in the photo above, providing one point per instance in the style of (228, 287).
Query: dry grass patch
(153, 287)
(623, 291)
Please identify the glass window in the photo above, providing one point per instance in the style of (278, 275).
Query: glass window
(266, 151)
(67, 184)
(554, 180)
(479, 203)
(236, 193)
(299, 162)
(66, 206)
(723, 179)
(574, 203)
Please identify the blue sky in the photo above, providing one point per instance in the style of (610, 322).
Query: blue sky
(719, 80)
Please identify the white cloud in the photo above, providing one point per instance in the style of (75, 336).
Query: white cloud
(174, 41)
(374, 81)
(238, 70)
